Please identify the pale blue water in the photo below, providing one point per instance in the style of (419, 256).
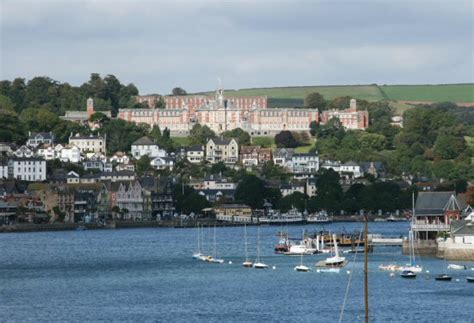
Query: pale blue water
(149, 275)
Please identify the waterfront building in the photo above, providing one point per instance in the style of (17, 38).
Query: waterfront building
(236, 213)
(434, 212)
(89, 143)
(37, 138)
(146, 147)
(225, 150)
(27, 169)
(129, 199)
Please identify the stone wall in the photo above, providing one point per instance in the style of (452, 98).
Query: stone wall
(422, 247)
(455, 251)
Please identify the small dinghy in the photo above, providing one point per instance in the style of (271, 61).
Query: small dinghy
(408, 274)
(302, 268)
(444, 277)
(457, 267)
(470, 279)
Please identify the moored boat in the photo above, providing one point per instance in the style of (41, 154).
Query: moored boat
(443, 277)
(293, 216)
(302, 268)
(408, 274)
(258, 264)
(457, 267)
(247, 263)
(390, 267)
(470, 279)
(319, 217)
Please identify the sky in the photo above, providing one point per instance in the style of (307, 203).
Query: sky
(198, 45)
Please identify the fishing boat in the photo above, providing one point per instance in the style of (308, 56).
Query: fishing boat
(198, 254)
(457, 267)
(213, 259)
(408, 274)
(301, 267)
(470, 279)
(319, 217)
(247, 263)
(258, 263)
(443, 277)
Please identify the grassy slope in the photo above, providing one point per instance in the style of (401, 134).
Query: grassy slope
(437, 93)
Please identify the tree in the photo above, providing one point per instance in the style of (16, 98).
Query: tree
(200, 134)
(251, 191)
(448, 146)
(194, 202)
(143, 164)
(315, 101)
(296, 199)
(313, 128)
(285, 139)
(178, 91)
(329, 190)
(99, 117)
(243, 138)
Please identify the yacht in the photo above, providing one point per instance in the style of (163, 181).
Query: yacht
(247, 263)
(258, 263)
(336, 260)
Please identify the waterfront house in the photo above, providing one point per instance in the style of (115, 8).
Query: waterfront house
(162, 206)
(129, 199)
(222, 150)
(433, 214)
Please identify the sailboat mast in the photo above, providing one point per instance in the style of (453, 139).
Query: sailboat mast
(245, 234)
(366, 268)
(215, 248)
(258, 244)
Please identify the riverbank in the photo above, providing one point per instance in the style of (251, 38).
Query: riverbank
(177, 223)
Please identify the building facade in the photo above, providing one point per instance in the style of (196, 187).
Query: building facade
(27, 169)
(146, 147)
(222, 150)
(90, 143)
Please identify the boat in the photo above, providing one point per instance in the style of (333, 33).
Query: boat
(329, 270)
(336, 260)
(258, 264)
(299, 249)
(213, 259)
(391, 267)
(412, 266)
(301, 267)
(457, 267)
(319, 217)
(443, 277)
(198, 254)
(408, 274)
(470, 279)
(293, 216)
(247, 263)
(391, 218)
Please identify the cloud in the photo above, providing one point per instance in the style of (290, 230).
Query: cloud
(161, 44)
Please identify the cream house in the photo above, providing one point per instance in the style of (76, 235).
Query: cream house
(225, 150)
(88, 143)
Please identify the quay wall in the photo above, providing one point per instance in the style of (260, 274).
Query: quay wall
(455, 251)
(422, 247)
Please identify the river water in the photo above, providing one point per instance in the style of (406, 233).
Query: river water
(149, 275)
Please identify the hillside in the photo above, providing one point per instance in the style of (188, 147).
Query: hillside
(288, 96)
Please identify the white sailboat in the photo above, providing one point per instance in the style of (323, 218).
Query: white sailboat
(412, 266)
(336, 260)
(213, 259)
(301, 267)
(198, 254)
(247, 263)
(258, 263)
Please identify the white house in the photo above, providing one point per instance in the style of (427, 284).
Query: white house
(352, 168)
(195, 154)
(47, 152)
(71, 154)
(162, 163)
(38, 138)
(288, 189)
(73, 177)
(304, 163)
(88, 143)
(146, 147)
(27, 169)
(120, 158)
(23, 152)
(282, 156)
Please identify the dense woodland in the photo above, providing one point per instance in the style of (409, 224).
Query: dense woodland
(432, 142)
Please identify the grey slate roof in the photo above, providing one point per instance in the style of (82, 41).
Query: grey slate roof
(433, 200)
(462, 227)
(144, 141)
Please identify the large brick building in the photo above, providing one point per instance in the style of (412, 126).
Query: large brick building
(248, 113)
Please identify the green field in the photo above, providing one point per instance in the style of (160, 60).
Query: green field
(436, 93)
(181, 141)
(293, 96)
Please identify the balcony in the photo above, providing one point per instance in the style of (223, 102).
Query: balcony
(430, 227)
